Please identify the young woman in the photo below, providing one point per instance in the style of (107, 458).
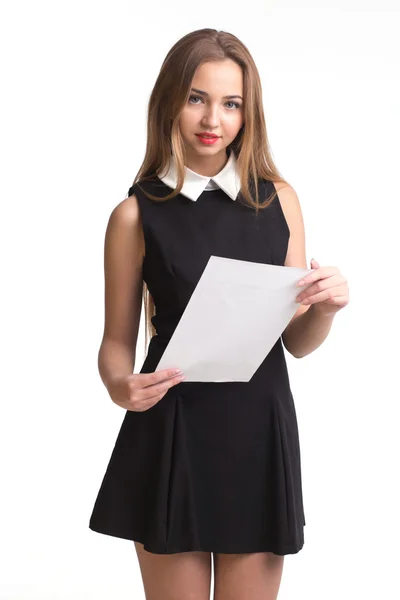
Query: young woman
(204, 470)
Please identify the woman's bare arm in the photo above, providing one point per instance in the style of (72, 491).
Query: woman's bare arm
(123, 257)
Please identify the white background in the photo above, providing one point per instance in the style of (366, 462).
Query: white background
(76, 81)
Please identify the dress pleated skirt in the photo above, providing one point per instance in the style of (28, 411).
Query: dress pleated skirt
(211, 467)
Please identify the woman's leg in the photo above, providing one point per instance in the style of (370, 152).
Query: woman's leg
(253, 576)
(182, 576)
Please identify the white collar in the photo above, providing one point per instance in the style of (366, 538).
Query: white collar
(227, 179)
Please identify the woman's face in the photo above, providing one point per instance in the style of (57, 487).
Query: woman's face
(210, 110)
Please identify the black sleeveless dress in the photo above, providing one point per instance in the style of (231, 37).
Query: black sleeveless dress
(213, 466)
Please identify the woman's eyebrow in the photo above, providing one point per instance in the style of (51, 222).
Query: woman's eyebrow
(207, 94)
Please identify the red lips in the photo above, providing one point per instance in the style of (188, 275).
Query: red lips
(206, 134)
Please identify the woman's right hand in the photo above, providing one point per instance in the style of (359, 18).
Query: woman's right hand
(140, 391)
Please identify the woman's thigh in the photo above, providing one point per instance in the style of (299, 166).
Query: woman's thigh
(253, 576)
(182, 576)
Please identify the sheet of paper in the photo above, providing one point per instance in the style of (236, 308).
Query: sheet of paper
(235, 315)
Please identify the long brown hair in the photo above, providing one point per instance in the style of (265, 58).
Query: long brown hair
(170, 95)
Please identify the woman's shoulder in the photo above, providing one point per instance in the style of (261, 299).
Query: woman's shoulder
(287, 196)
(126, 214)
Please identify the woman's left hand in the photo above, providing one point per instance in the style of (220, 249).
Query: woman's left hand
(329, 292)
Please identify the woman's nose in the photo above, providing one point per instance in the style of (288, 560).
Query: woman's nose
(211, 117)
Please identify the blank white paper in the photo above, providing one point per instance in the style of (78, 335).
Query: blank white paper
(235, 315)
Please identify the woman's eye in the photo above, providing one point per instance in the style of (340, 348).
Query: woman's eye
(236, 104)
(192, 97)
